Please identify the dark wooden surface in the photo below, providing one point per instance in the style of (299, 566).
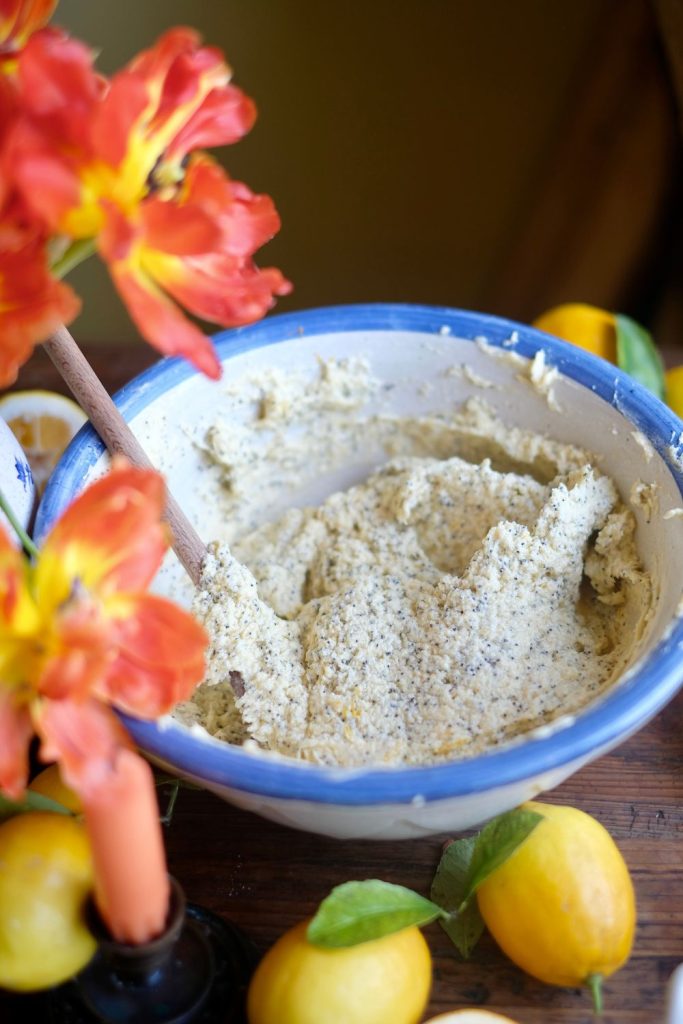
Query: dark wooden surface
(265, 877)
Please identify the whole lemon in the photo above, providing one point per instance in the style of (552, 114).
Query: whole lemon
(674, 389)
(49, 783)
(45, 878)
(383, 980)
(562, 905)
(589, 327)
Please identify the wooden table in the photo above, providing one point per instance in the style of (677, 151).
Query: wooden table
(265, 877)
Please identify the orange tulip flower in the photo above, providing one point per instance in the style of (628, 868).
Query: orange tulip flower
(78, 632)
(111, 162)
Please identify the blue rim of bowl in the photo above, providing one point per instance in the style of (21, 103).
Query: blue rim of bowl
(625, 709)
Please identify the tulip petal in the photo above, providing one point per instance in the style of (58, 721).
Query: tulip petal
(16, 730)
(49, 186)
(177, 70)
(181, 230)
(20, 620)
(153, 64)
(122, 106)
(19, 19)
(32, 305)
(111, 537)
(247, 221)
(225, 116)
(161, 322)
(160, 655)
(220, 289)
(81, 651)
(59, 88)
(11, 576)
(84, 737)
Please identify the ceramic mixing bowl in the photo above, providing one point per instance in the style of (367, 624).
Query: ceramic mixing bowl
(414, 351)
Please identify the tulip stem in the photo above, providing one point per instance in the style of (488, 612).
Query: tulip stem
(167, 816)
(76, 253)
(91, 395)
(27, 544)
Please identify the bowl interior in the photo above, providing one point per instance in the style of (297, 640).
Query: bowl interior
(418, 354)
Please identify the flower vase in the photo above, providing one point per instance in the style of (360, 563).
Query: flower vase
(195, 972)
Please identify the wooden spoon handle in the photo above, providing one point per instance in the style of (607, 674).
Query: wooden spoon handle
(93, 398)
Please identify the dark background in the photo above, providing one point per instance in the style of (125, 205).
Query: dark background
(493, 155)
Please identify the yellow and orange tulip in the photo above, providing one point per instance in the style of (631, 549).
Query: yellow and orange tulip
(78, 632)
(111, 162)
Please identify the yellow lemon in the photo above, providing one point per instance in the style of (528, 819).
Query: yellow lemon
(43, 423)
(588, 327)
(45, 879)
(470, 1017)
(562, 906)
(49, 783)
(674, 389)
(383, 980)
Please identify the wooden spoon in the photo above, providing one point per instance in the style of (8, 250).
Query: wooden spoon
(92, 396)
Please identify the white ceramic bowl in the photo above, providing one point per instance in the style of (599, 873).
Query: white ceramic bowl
(410, 347)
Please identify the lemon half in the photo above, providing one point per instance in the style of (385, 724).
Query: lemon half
(43, 423)
(470, 1017)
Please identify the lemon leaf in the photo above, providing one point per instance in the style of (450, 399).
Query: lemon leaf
(358, 912)
(449, 887)
(496, 842)
(31, 802)
(465, 929)
(465, 925)
(637, 354)
(466, 863)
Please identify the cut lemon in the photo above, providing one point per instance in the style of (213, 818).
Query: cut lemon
(43, 423)
(470, 1017)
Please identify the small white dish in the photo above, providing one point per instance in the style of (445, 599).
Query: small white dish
(16, 480)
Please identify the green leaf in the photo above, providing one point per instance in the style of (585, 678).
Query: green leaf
(357, 912)
(496, 842)
(465, 929)
(31, 802)
(637, 354)
(449, 887)
(449, 890)
(466, 863)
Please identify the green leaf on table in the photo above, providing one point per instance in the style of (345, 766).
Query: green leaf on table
(449, 888)
(637, 354)
(30, 802)
(357, 912)
(466, 864)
